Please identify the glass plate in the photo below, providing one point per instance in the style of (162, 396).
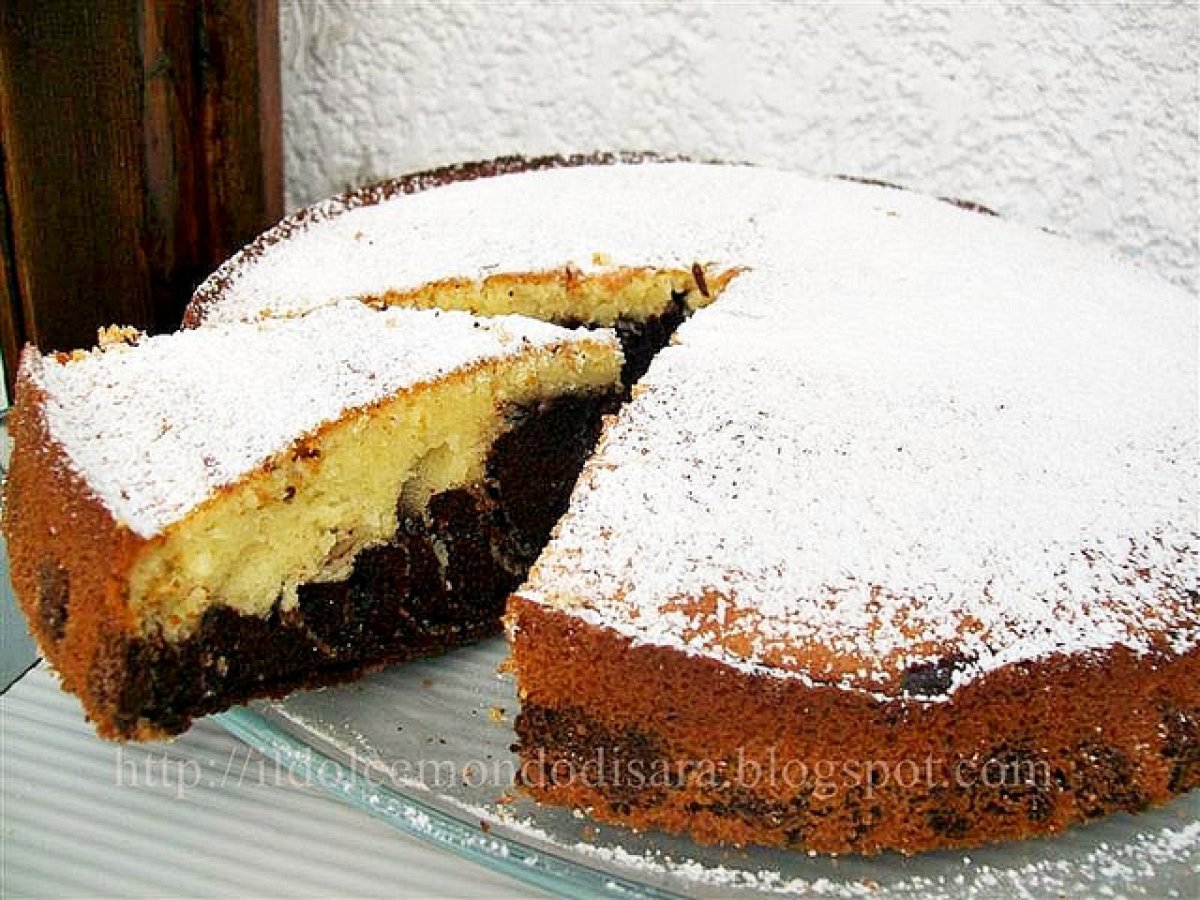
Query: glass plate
(426, 748)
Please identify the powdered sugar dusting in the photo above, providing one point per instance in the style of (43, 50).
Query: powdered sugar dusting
(905, 433)
(913, 433)
(1076, 867)
(656, 215)
(156, 429)
(912, 509)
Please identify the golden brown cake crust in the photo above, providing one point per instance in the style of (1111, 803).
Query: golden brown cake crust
(690, 745)
(68, 553)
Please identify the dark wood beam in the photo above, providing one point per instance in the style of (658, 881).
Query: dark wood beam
(141, 147)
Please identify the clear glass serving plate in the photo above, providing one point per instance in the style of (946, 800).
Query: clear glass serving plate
(426, 748)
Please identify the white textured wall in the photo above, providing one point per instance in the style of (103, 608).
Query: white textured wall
(1082, 118)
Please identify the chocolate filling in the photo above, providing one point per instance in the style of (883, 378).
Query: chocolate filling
(934, 678)
(54, 598)
(641, 341)
(1181, 746)
(440, 583)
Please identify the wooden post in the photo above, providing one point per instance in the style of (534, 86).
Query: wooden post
(141, 146)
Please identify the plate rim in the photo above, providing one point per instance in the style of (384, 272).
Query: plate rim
(540, 868)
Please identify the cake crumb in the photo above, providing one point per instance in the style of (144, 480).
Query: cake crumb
(118, 336)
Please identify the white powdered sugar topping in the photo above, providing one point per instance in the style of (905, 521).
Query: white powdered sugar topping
(906, 432)
(654, 215)
(1138, 864)
(155, 430)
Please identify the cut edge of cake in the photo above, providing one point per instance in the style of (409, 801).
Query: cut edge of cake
(99, 591)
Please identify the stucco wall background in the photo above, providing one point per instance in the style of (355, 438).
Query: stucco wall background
(1079, 117)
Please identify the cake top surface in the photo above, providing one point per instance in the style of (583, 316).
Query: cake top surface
(907, 445)
(369, 243)
(153, 430)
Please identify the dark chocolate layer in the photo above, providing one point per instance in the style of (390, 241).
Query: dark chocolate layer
(641, 341)
(403, 600)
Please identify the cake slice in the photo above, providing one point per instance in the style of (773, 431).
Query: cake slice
(234, 512)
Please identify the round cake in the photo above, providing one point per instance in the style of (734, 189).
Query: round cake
(893, 542)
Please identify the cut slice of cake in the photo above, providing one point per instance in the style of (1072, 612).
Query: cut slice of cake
(215, 515)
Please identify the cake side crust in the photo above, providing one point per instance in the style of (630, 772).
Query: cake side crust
(70, 561)
(651, 737)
